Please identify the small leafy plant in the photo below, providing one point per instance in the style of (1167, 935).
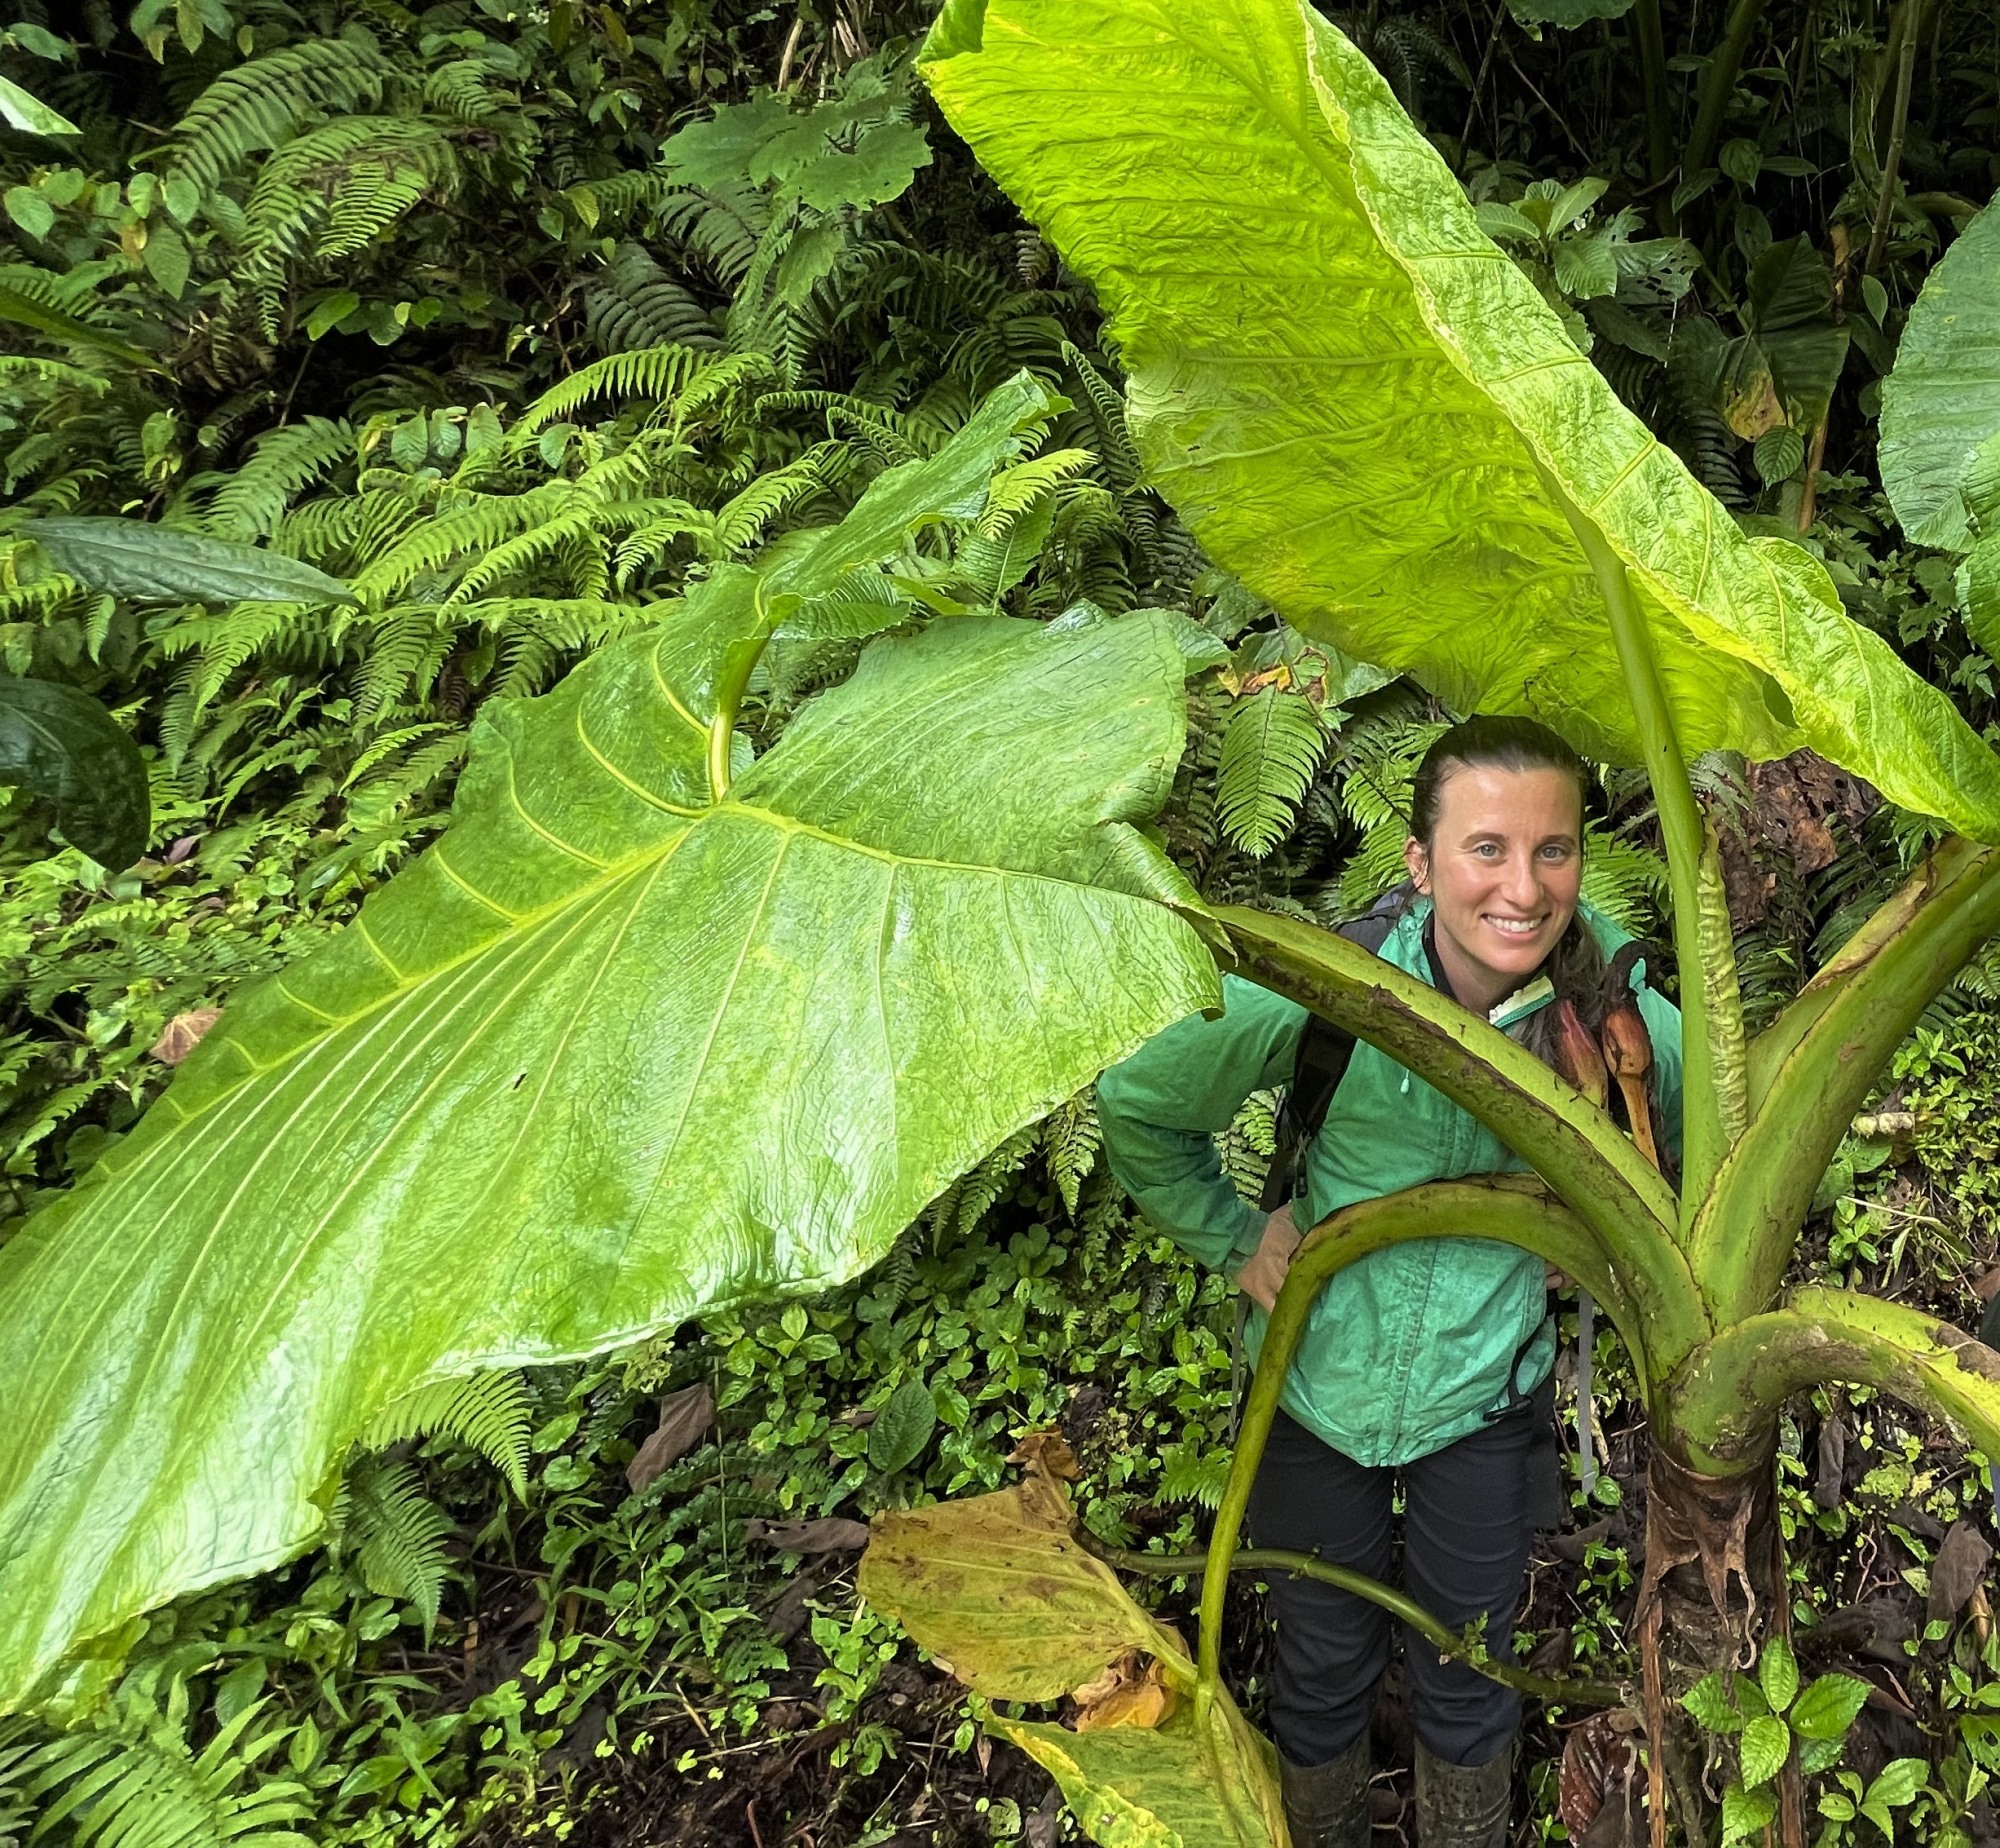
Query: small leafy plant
(1767, 1714)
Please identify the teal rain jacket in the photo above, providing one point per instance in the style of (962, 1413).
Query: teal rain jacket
(1410, 1348)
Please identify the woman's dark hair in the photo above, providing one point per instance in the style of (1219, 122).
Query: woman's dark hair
(1488, 742)
(1575, 967)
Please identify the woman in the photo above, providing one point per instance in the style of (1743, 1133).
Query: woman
(1419, 1361)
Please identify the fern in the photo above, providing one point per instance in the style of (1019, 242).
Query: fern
(633, 304)
(396, 1533)
(958, 1210)
(138, 1785)
(1270, 752)
(658, 372)
(1191, 1472)
(1070, 1141)
(261, 104)
(249, 503)
(489, 1413)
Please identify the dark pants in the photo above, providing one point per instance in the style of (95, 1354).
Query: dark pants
(1465, 1555)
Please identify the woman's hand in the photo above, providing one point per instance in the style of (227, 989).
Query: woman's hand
(1262, 1273)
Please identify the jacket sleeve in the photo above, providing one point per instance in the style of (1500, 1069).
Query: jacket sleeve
(1159, 1112)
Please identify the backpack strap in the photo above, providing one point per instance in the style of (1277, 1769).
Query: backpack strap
(1321, 1062)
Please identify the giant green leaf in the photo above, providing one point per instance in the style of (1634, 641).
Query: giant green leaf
(636, 1038)
(1941, 399)
(1363, 408)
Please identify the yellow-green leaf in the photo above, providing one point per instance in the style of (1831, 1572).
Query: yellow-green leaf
(1170, 1788)
(998, 1588)
(1362, 407)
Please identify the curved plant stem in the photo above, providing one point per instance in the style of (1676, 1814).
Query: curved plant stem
(1448, 1641)
(1722, 1402)
(1505, 1210)
(1814, 1066)
(1714, 1094)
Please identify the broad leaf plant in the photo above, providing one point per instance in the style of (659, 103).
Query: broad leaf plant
(658, 1026)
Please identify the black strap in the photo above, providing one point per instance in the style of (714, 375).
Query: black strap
(1321, 1062)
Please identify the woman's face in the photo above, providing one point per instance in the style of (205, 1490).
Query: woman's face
(1502, 870)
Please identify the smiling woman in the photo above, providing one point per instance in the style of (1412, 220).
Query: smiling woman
(1496, 844)
(1427, 1362)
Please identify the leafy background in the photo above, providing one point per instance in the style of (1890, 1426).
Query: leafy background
(523, 318)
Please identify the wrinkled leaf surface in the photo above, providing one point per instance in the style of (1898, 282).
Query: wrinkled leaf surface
(1360, 405)
(611, 1053)
(998, 1588)
(1941, 399)
(1133, 1788)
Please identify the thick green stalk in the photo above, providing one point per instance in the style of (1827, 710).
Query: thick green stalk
(1718, 84)
(1714, 1106)
(1653, 88)
(1724, 1399)
(1447, 1641)
(1814, 1067)
(1513, 1211)
(1605, 1181)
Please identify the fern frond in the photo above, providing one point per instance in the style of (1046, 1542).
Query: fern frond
(484, 522)
(286, 461)
(742, 520)
(1014, 490)
(658, 372)
(1070, 1141)
(489, 1413)
(261, 104)
(397, 1534)
(1272, 748)
(464, 91)
(633, 304)
(138, 1786)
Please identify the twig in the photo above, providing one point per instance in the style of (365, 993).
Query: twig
(1472, 109)
(1899, 122)
(1306, 1565)
(1582, 152)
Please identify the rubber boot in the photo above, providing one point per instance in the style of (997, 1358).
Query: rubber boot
(1464, 1806)
(1326, 1806)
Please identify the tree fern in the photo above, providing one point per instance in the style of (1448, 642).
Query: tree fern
(488, 1412)
(1272, 748)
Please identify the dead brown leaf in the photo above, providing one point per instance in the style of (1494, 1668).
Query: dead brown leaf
(183, 1034)
(1132, 1691)
(685, 1418)
(1960, 1564)
(830, 1534)
(1047, 1452)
